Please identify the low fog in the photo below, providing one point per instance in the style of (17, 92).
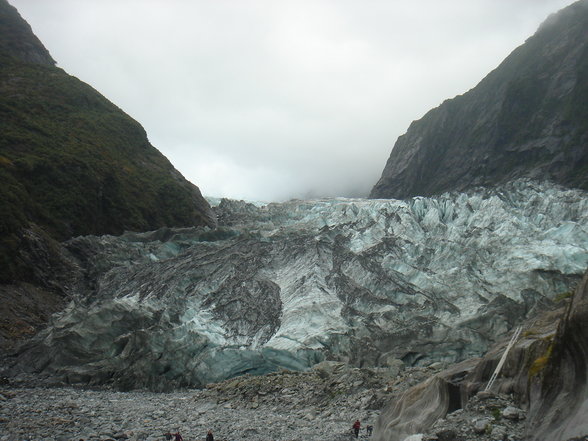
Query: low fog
(267, 100)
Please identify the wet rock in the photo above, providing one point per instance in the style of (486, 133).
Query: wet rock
(419, 407)
(559, 385)
(530, 368)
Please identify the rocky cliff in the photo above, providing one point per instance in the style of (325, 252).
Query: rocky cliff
(545, 372)
(18, 40)
(527, 118)
(71, 163)
(287, 285)
(558, 390)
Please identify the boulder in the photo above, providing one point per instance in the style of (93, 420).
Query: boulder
(512, 413)
(394, 366)
(328, 368)
(481, 425)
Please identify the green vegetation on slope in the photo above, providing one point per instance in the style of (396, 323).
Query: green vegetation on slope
(73, 163)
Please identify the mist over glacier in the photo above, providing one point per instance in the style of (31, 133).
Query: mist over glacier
(287, 285)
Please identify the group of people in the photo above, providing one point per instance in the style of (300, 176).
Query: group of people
(177, 437)
(357, 425)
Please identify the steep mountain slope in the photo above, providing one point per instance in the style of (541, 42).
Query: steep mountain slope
(71, 162)
(18, 40)
(366, 282)
(528, 118)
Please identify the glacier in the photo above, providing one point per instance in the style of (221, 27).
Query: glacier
(287, 285)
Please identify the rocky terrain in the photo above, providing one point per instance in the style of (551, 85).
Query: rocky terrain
(322, 403)
(284, 406)
(527, 118)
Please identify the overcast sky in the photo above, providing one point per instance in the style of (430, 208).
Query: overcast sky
(275, 99)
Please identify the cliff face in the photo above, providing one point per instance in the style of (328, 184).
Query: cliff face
(528, 118)
(545, 371)
(18, 40)
(559, 393)
(71, 162)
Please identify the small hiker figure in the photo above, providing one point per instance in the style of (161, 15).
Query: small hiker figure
(209, 436)
(369, 428)
(178, 437)
(356, 427)
(168, 436)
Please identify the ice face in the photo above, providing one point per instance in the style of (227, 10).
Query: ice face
(290, 284)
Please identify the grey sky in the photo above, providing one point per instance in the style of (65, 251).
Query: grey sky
(273, 99)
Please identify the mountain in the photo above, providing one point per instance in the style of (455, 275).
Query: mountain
(18, 40)
(527, 119)
(71, 162)
(365, 282)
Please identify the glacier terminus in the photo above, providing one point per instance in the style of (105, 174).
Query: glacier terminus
(287, 285)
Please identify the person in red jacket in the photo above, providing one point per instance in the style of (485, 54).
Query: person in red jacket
(356, 427)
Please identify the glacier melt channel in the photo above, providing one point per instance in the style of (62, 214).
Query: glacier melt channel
(289, 284)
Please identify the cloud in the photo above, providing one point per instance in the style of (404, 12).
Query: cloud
(270, 100)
